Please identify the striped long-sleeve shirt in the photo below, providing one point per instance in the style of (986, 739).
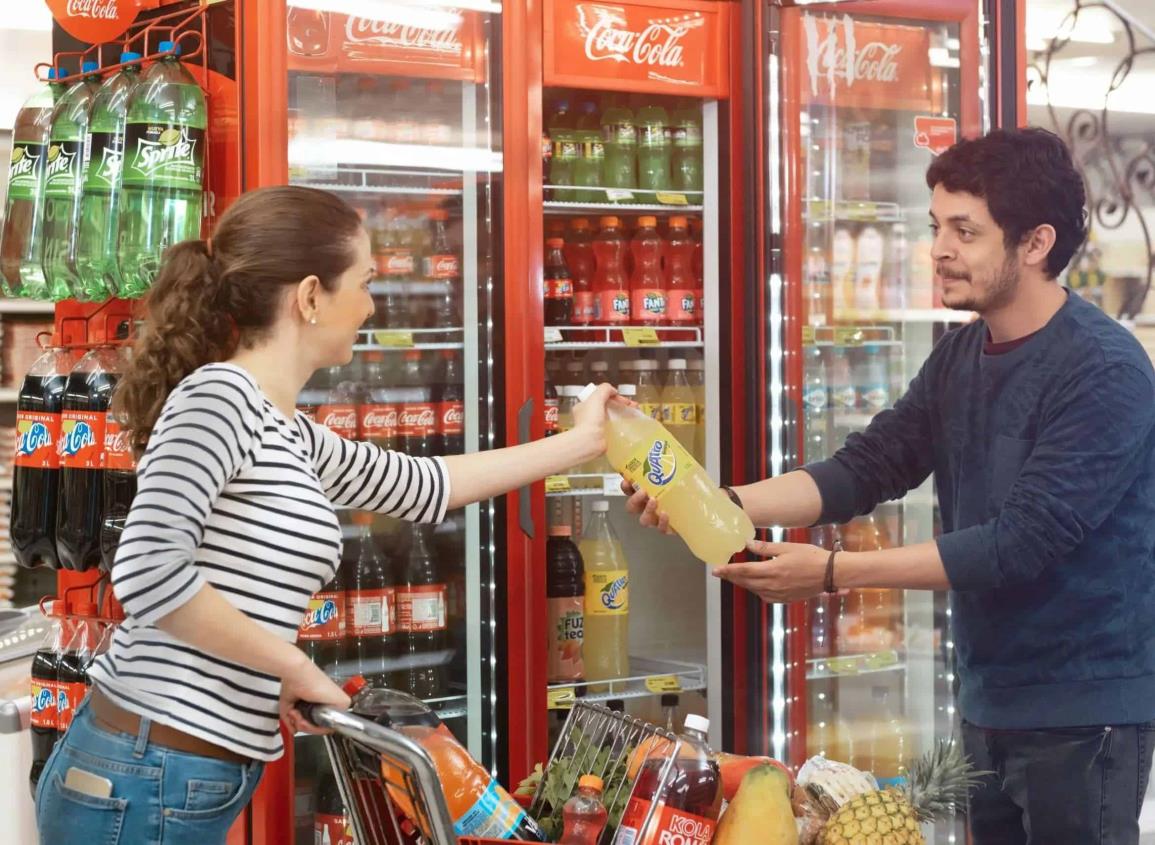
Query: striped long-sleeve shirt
(234, 494)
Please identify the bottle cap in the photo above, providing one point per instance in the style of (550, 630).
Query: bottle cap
(676, 364)
(572, 390)
(413, 355)
(555, 243)
(89, 67)
(628, 390)
(648, 366)
(678, 222)
(362, 518)
(439, 214)
(600, 506)
(560, 531)
(55, 73)
(600, 366)
(647, 222)
(608, 222)
(168, 47)
(129, 56)
(354, 685)
(580, 224)
(694, 722)
(590, 782)
(631, 364)
(697, 364)
(586, 392)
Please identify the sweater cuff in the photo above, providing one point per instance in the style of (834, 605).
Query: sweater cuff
(836, 485)
(970, 558)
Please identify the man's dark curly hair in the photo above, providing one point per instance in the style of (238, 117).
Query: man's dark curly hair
(1027, 178)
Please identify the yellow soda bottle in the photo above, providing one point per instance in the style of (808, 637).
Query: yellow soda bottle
(607, 600)
(652, 459)
(649, 389)
(697, 378)
(679, 407)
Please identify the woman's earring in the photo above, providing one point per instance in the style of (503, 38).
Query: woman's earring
(313, 320)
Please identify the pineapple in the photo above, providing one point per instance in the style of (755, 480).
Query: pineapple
(936, 785)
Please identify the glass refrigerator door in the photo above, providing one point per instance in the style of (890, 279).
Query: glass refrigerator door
(393, 111)
(869, 100)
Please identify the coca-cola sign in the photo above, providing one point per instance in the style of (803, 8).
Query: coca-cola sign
(452, 418)
(637, 46)
(378, 421)
(366, 38)
(862, 63)
(417, 419)
(340, 419)
(95, 21)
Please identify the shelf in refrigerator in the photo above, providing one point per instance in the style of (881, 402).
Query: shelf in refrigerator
(851, 665)
(410, 287)
(613, 208)
(401, 340)
(26, 306)
(845, 336)
(853, 211)
(649, 676)
(312, 153)
(584, 484)
(605, 337)
(907, 315)
(354, 180)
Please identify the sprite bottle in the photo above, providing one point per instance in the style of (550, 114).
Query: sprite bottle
(63, 182)
(620, 164)
(162, 176)
(104, 152)
(653, 152)
(21, 245)
(686, 164)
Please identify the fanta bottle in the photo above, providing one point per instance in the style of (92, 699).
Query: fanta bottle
(679, 409)
(652, 459)
(647, 283)
(606, 628)
(682, 289)
(611, 287)
(579, 258)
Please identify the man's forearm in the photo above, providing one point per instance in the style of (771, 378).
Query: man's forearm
(917, 567)
(789, 501)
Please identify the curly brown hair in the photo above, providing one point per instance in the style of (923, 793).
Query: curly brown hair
(208, 300)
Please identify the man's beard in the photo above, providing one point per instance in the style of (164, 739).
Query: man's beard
(999, 291)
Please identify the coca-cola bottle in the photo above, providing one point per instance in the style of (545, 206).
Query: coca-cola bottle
(370, 605)
(119, 487)
(339, 411)
(322, 632)
(314, 394)
(378, 407)
(450, 404)
(45, 691)
(417, 420)
(441, 263)
(444, 314)
(422, 620)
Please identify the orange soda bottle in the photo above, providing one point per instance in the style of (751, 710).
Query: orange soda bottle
(584, 814)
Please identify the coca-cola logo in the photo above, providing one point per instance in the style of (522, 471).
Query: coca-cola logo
(453, 416)
(34, 439)
(418, 418)
(116, 442)
(834, 54)
(104, 10)
(320, 614)
(378, 419)
(95, 21)
(340, 420)
(397, 35)
(399, 264)
(552, 415)
(443, 266)
(657, 44)
(81, 437)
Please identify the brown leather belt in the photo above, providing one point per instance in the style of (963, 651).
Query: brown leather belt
(116, 718)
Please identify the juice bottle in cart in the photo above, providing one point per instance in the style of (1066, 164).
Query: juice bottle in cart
(651, 459)
(684, 807)
(683, 291)
(579, 258)
(611, 286)
(648, 300)
(565, 589)
(607, 600)
(679, 407)
(585, 815)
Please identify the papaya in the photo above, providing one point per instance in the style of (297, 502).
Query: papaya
(651, 745)
(760, 813)
(735, 766)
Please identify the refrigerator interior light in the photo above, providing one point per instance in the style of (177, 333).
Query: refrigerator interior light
(428, 14)
(307, 151)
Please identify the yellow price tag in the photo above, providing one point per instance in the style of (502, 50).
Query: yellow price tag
(808, 336)
(663, 683)
(641, 336)
(847, 336)
(562, 698)
(672, 199)
(394, 339)
(882, 660)
(557, 484)
(843, 665)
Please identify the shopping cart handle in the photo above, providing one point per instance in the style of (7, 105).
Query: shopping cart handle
(312, 712)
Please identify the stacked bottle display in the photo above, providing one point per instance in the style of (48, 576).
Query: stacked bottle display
(105, 174)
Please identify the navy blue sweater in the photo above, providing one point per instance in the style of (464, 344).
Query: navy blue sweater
(1044, 462)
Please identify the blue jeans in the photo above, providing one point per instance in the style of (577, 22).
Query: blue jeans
(159, 796)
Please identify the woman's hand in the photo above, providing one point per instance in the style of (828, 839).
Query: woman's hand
(305, 682)
(590, 417)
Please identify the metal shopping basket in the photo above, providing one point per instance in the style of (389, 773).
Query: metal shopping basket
(384, 777)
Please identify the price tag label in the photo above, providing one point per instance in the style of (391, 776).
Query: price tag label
(672, 199)
(394, 339)
(808, 337)
(562, 698)
(847, 336)
(552, 335)
(663, 683)
(641, 336)
(557, 484)
(612, 485)
(882, 660)
(843, 665)
(618, 195)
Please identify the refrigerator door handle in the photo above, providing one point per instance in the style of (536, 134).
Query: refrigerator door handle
(524, 503)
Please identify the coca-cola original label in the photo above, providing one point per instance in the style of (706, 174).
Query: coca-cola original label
(82, 439)
(442, 267)
(62, 173)
(451, 418)
(68, 698)
(340, 419)
(44, 698)
(667, 826)
(36, 440)
(324, 619)
(331, 830)
(164, 155)
(398, 263)
(378, 422)
(558, 289)
(552, 415)
(25, 167)
(417, 419)
(422, 608)
(117, 447)
(371, 613)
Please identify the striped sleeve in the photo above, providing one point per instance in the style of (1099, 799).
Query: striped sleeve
(205, 436)
(364, 476)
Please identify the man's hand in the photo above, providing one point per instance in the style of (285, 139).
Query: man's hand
(794, 572)
(646, 508)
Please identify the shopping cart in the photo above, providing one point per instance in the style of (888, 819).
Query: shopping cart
(388, 782)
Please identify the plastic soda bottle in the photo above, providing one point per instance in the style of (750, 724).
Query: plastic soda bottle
(163, 172)
(559, 294)
(683, 291)
(650, 458)
(679, 408)
(579, 258)
(566, 152)
(647, 283)
(64, 181)
(607, 599)
(45, 692)
(684, 807)
(590, 163)
(620, 168)
(696, 375)
(649, 396)
(653, 152)
(22, 244)
(96, 241)
(687, 153)
(611, 287)
(565, 589)
(584, 815)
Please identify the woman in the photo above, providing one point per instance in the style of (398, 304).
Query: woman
(233, 526)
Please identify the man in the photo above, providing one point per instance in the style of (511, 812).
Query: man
(1038, 422)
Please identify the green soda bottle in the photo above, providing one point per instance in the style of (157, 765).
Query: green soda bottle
(162, 188)
(687, 158)
(22, 243)
(64, 181)
(566, 151)
(620, 166)
(591, 156)
(653, 152)
(96, 243)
